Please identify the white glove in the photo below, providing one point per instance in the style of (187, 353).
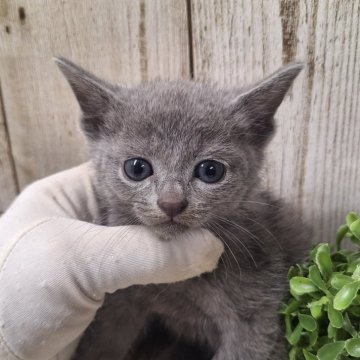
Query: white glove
(55, 266)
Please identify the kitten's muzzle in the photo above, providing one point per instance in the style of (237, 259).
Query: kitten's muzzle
(172, 206)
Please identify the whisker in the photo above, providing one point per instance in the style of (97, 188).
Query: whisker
(268, 231)
(156, 297)
(233, 255)
(243, 229)
(259, 203)
(236, 240)
(251, 202)
(225, 255)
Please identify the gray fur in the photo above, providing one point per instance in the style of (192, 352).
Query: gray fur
(175, 125)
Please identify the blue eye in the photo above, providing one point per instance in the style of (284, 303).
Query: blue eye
(209, 171)
(137, 169)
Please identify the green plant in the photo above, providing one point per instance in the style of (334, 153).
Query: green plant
(322, 316)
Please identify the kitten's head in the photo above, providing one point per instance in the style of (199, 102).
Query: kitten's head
(176, 154)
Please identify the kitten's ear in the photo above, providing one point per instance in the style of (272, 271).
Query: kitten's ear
(256, 106)
(94, 95)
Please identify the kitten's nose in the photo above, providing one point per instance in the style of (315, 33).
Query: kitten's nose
(172, 206)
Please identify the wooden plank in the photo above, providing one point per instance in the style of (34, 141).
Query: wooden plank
(125, 41)
(314, 158)
(8, 183)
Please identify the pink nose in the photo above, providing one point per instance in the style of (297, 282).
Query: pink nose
(172, 207)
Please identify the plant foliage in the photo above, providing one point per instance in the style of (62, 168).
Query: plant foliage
(322, 316)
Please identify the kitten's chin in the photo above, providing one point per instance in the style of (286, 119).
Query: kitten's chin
(167, 231)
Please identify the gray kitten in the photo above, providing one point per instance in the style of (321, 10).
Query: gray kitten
(179, 154)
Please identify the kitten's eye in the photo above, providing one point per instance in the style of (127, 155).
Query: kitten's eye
(210, 171)
(137, 169)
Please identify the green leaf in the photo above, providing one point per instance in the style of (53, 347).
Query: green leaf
(331, 351)
(331, 332)
(352, 347)
(315, 277)
(348, 326)
(295, 335)
(309, 356)
(288, 329)
(350, 218)
(341, 232)
(323, 300)
(356, 274)
(293, 353)
(307, 322)
(292, 272)
(335, 317)
(313, 338)
(355, 240)
(355, 228)
(346, 295)
(316, 307)
(322, 340)
(301, 285)
(323, 261)
(313, 252)
(341, 256)
(356, 301)
(338, 280)
(353, 265)
(354, 310)
(316, 310)
(291, 307)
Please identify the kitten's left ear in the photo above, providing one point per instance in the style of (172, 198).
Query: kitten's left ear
(256, 107)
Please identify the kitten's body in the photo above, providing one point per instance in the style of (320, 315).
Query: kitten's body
(232, 313)
(233, 310)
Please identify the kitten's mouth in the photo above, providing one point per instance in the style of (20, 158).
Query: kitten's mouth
(169, 222)
(172, 224)
(169, 228)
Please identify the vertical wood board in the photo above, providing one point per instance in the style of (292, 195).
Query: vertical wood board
(8, 184)
(313, 161)
(125, 41)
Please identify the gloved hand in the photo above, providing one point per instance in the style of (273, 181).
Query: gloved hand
(55, 266)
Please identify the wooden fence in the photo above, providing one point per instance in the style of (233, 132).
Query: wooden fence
(314, 160)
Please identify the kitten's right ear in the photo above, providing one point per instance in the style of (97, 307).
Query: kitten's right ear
(94, 95)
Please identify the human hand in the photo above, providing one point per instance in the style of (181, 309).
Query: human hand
(56, 266)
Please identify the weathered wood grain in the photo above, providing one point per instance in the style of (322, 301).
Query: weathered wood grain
(314, 158)
(8, 182)
(125, 41)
